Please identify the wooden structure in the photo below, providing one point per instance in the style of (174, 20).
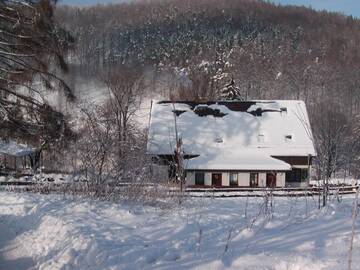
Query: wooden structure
(15, 158)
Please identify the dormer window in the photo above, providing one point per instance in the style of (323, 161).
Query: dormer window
(288, 138)
(261, 138)
(283, 110)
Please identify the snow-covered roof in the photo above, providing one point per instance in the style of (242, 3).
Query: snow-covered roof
(14, 149)
(215, 129)
(228, 160)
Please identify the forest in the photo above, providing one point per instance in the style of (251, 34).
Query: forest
(192, 49)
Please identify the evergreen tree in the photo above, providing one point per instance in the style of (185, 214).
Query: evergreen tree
(32, 47)
(231, 92)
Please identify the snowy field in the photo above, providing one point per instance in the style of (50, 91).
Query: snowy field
(53, 232)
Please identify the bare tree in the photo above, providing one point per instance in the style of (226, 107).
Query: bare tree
(94, 147)
(97, 154)
(126, 86)
(333, 136)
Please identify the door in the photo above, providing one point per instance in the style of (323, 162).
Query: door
(271, 180)
(216, 179)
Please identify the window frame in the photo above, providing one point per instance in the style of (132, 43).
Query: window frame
(233, 183)
(297, 175)
(256, 179)
(203, 178)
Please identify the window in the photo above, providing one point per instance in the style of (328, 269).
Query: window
(254, 179)
(297, 175)
(303, 175)
(233, 179)
(199, 178)
(288, 138)
(261, 138)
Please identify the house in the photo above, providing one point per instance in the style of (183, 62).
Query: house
(234, 143)
(15, 157)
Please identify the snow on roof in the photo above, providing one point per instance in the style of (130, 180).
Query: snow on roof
(14, 149)
(275, 128)
(228, 160)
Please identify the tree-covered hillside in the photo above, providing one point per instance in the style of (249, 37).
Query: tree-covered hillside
(269, 51)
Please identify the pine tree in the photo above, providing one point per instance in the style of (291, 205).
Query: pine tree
(231, 92)
(32, 46)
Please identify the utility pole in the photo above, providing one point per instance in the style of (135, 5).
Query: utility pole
(178, 154)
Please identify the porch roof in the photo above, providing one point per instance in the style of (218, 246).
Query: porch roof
(242, 160)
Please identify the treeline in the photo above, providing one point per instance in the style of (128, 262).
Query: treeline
(271, 52)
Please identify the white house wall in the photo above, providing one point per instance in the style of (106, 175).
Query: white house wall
(190, 178)
(208, 179)
(280, 179)
(225, 179)
(244, 179)
(262, 179)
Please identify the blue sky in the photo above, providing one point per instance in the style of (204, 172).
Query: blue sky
(348, 7)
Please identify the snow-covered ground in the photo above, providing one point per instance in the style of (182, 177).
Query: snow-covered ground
(337, 182)
(53, 232)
